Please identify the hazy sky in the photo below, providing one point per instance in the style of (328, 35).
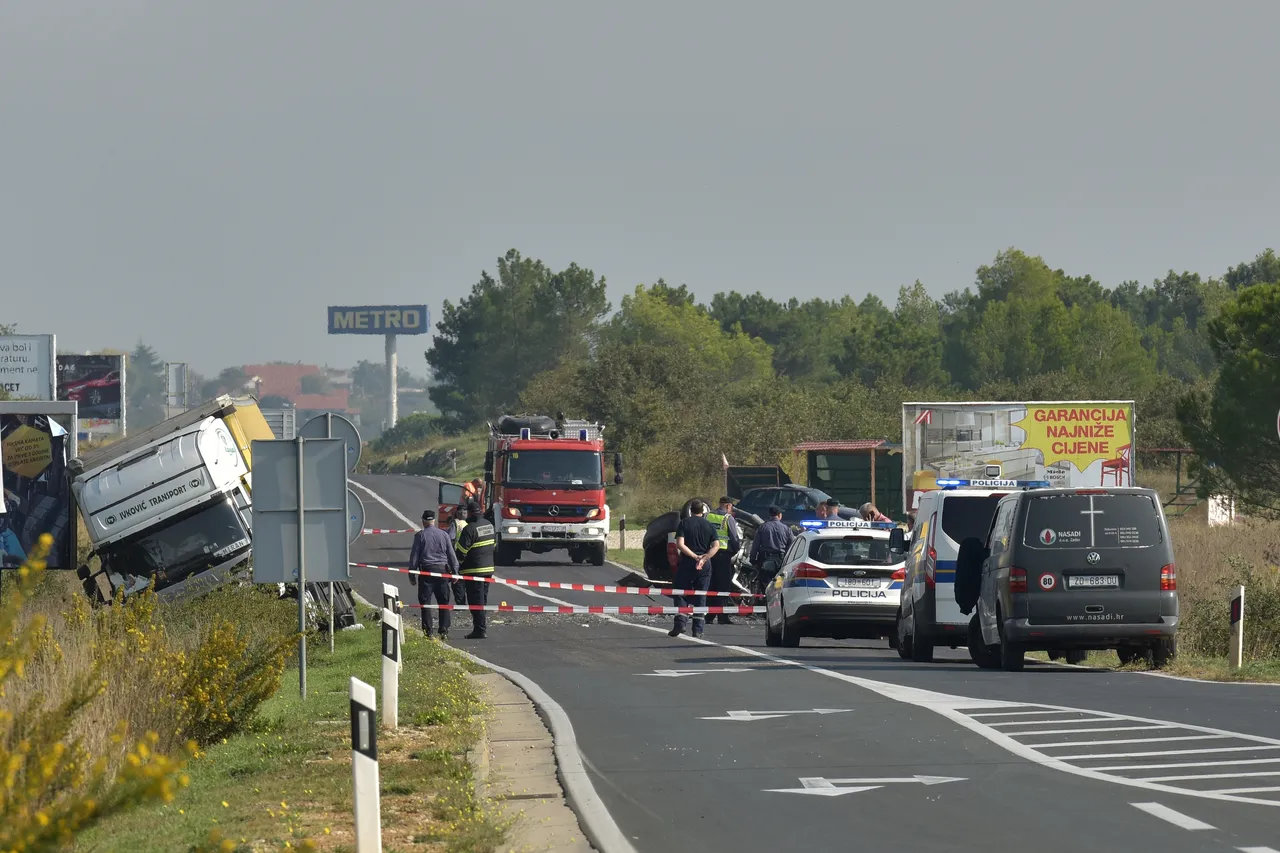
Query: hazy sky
(208, 176)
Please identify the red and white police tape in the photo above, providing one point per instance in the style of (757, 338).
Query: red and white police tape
(369, 530)
(634, 611)
(576, 587)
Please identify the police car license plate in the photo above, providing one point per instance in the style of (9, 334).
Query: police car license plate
(1092, 581)
(548, 529)
(858, 582)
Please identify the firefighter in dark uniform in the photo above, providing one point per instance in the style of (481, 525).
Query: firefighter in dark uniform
(476, 544)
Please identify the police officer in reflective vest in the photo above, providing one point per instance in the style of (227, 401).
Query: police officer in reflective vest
(730, 538)
(476, 544)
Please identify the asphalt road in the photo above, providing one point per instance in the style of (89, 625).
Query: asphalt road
(936, 756)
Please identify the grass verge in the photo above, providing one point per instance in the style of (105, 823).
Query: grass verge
(1188, 666)
(287, 779)
(632, 558)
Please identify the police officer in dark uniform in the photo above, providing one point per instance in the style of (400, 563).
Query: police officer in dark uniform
(433, 552)
(697, 543)
(769, 544)
(476, 545)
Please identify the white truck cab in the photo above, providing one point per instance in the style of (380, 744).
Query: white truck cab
(175, 510)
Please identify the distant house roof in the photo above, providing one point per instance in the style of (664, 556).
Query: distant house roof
(847, 444)
(337, 400)
(282, 380)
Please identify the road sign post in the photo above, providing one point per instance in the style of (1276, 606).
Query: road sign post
(390, 669)
(300, 525)
(364, 767)
(1237, 629)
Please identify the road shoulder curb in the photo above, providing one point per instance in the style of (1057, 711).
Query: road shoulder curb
(517, 772)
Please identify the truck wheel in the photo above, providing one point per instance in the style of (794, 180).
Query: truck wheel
(576, 555)
(598, 554)
(1163, 652)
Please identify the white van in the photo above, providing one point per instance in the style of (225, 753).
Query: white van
(928, 615)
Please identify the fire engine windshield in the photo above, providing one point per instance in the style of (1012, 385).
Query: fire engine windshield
(183, 546)
(565, 469)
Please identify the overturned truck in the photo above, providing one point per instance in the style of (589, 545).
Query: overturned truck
(172, 506)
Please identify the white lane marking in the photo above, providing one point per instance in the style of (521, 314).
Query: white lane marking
(1165, 752)
(751, 716)
(599, 825)
(380, 499)
(954, 708)
(1066, 743)
(1178, 819)
(1256, 850)
(1270, 790)
(1162, 766)
(1087, 731)
(1012, 714)
(681, 673)
(1189, 776)
(1007, 723)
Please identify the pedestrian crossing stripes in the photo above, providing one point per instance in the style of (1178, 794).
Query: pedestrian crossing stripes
(1136, 751)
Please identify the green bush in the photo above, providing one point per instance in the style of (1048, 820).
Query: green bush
(1205, 627)
(408, 432)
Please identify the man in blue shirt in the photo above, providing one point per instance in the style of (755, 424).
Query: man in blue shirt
(433, 551)
(769, 544)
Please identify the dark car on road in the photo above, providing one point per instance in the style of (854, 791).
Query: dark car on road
(1071, 569)
(798, 503)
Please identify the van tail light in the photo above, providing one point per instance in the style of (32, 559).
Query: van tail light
(809, 570)
(1091, 491)
(899, 575)
(1017, 580)
(1169, 578)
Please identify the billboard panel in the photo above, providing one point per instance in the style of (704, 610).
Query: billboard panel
(37, 493)
(379, 320)
(96, 382)
(1071, 443)
(26, 366)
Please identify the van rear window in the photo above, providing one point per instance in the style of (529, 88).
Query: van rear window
(1092, 521)
(968, 515)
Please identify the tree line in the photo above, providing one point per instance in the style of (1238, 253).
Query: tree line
(679, 382)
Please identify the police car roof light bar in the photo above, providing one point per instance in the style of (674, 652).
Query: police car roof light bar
(950, 483)
(848, 524)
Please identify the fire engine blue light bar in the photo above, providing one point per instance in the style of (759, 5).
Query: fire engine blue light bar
(948, 483)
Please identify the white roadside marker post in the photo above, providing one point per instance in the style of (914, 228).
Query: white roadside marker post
(1237, 629)
(364, 766)
(390, 669)
(391, 601)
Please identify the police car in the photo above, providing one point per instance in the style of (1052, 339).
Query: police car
(928, 615)
(839, 579)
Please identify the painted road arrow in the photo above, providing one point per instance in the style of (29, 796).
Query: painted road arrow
(681, 673)
(748, 716)
(821, 787)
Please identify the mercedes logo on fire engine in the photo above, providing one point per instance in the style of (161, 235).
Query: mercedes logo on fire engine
(553, 510)
(1093, 557)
